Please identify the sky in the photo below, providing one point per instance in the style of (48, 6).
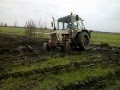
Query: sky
(100, 15)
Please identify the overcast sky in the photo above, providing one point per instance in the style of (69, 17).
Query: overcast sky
(102, 15)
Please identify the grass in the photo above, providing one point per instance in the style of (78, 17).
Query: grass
(21, 31)
(47, 84)
(12, 30)
(112, 39)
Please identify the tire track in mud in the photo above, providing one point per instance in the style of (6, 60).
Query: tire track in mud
(93, 83)
(54, 70)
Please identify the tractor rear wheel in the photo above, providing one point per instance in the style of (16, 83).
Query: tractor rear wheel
(83, 39)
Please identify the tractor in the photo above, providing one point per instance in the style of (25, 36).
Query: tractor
(69, 34)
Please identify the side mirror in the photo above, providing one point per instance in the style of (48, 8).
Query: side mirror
(77, 17)
(51, 24)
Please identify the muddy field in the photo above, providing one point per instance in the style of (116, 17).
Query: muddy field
(97, 68)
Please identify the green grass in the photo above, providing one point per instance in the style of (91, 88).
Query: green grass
(47, 84)
(12, 30)
(112, 39)
(21, 31)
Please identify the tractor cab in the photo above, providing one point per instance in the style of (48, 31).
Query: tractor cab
(67, 27)
(73, 22)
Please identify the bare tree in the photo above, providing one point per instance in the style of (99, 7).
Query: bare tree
(30, 28)
(45, 26)
(40, 26)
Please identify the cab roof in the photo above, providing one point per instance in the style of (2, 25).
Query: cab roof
(67, 19)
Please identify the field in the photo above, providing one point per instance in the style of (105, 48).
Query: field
(112, 39)
(97, 68)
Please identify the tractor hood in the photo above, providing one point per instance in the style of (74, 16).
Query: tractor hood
(60, 32)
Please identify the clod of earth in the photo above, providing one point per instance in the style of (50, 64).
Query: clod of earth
(22, 49)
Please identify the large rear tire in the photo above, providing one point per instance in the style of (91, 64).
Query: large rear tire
(83, 39)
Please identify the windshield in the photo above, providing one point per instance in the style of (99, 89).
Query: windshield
(77, 25)
(63, 27)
